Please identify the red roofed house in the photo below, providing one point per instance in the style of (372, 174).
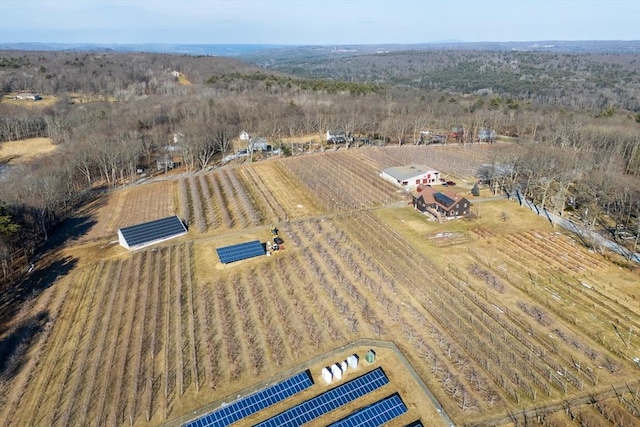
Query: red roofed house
(440, 204)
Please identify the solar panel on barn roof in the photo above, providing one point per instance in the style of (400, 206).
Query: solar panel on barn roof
(153, 231)
(240, 251)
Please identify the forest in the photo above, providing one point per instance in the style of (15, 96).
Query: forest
(575, 140)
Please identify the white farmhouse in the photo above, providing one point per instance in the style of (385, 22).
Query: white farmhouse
(411, 175)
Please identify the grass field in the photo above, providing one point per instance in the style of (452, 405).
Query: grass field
(182, 79)
(502, 316)
(46, 101)
(24, 150)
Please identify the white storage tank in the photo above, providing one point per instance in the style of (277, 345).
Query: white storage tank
(343, 366)
(336, 371)
(326, 375)
(353, 361)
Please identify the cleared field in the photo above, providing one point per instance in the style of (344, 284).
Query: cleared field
(502, 317)
(25, 149)
(46, 101)
(128, 207)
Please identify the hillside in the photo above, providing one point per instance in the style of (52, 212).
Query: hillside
(586, 80)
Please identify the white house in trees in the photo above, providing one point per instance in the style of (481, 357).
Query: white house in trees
(411, 176)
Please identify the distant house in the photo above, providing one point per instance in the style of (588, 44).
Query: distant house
(487, 135)
(165, 163)
(336, 136)
(259, 144)
(411, 175)
(440, 204)
(31, 96)
(244, 136)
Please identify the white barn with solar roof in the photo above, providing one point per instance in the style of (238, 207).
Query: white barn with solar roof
(152, 232)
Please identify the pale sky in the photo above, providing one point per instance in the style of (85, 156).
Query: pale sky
(313, 22)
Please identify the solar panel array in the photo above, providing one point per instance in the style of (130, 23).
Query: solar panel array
(376, 414)
(328, 401)
(444, 199)
(416, 423)
(254, 403)
(153, 230)
(241, 251)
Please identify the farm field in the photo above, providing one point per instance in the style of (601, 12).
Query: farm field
(277, 190)
(502, 316)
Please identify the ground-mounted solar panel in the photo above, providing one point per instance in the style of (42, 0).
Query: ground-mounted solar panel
(147, 233)
(444, 199)
(328, 401)
(416, 423)
(255, 402)
(375, 414)
(240, 251)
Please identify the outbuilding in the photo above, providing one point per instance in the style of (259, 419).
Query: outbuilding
(411, 175)
(148, 233)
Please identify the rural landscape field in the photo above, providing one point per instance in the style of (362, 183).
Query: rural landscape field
(503, 316)
(521, 310)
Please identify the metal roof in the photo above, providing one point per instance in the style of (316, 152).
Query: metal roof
(153, 231)
(403, 173)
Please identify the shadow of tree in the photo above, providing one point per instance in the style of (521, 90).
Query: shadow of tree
(41, 278)
(71, 230)
(78, 224)
(15, 345)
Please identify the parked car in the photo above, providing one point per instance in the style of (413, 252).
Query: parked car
(427, 137)
(450, 184)
(456, 132)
